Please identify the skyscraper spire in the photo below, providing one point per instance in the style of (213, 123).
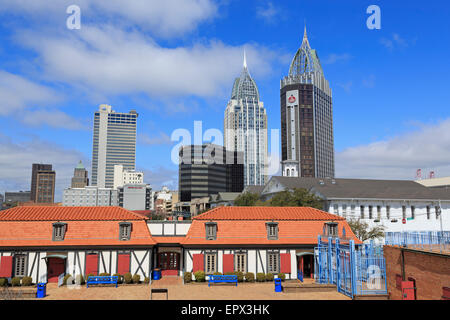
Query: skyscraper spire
(305, 36)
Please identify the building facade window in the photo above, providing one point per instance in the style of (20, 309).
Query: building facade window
(125, 231)
(404, 212)
(20, 265)
(59, 231)
(273, 262)
(361, 208)
(436, 212)
(388, 212)
(211, 263)
(352, 210)
(428, 212)
(336, 209)
(370, 212)
(413, 212)
(344, 210)
(379, 212)
(240, 262)
(272, 230)
(211, 230)
(331, 229)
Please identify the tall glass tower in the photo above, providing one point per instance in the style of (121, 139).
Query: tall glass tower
(307, 143)
(245, 128)
(114, 143)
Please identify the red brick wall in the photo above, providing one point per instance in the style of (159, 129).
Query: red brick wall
(430, 271)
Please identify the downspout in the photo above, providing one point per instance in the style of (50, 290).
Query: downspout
(403, 264)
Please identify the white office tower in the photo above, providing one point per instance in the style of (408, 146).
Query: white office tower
(123, 177)
(114, 142)
(245, 128)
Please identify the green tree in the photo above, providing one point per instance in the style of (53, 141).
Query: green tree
(246, 199)
(296, 198)
(363, 232)
(157, 217)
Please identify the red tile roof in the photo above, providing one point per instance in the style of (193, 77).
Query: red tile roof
(267, 213)
(86, 226)
(247, 226)
(42, 213)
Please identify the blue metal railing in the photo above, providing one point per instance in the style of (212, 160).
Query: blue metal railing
(422, 240)
(355, 270)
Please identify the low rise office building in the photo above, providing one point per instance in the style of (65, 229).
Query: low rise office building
(123, 176)
(90, 197)
(135, 197)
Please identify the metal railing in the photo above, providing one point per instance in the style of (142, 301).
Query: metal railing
(437, 241)
(355, 270)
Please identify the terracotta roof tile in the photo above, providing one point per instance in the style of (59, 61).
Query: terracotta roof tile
(78, 233)
(46, 213)
(86, 226)
(267, 213)
(247, 225)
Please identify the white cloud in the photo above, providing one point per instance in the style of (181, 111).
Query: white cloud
(18, 93)
(399, 157)
(16, 159)
(166, 18)
(395, 41)
(333, 58)
(369, 82)
(20, 96)
(347, 86)
(52, 118)
(107, 60)
(161, 176)
(162, 138)
(267, 13)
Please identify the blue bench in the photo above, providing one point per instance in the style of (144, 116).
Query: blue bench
(102, 280)
(220, 278)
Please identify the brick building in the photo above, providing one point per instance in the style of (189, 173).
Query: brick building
(428, 271)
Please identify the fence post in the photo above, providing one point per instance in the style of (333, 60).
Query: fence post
(319, 260)
(352, 267)
(338, 266)
(330, 254)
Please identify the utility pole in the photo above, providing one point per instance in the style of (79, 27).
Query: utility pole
(442, 231)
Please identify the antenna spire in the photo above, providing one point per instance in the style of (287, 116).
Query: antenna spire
(245, 59)
(305, 34)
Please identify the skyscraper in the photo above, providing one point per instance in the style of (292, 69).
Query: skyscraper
(245, 128)
(209, 169)
(114, 143)
(80, 177)
(307, 142)
(42, 183)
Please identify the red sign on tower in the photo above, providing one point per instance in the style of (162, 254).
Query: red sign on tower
(292, 99)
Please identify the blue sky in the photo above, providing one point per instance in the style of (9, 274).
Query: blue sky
(175, 63)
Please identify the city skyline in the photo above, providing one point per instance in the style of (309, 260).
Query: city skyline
(51, 121)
